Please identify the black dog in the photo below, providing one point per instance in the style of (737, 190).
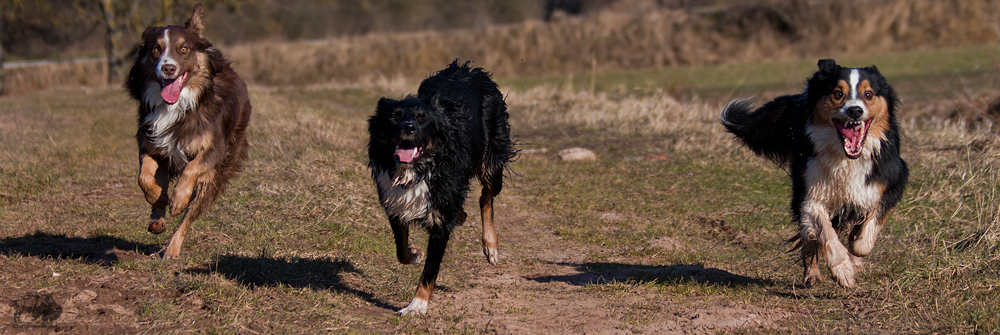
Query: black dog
(423, 151)
(840, 141)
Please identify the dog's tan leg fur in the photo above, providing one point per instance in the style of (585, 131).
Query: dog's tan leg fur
(489, 232)
(148, 180)
(199, 204)
(185, 185)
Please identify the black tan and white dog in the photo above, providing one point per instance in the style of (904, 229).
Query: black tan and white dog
(193, 115)
(840, 141)
(423, 151)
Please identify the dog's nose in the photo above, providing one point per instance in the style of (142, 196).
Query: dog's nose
(168, 69)
(409, 128)
(855, 112)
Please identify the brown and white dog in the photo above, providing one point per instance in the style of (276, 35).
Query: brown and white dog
(840, 141)
(193, 115)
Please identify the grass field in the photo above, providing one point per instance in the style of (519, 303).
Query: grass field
(673, 228)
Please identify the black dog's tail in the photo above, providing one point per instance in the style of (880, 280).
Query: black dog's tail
(771, 131)
(499, 146)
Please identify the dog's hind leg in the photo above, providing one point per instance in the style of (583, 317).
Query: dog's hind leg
(153, 181)
(437, 242)
(492, 180)
(810, 256)
(490, 243)
(405, 253)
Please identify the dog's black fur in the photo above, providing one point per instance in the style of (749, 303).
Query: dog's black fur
(423, 151)
(780, 131)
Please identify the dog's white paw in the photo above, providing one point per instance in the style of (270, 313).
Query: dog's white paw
(844, 272)
(840, 264)
(416, 307)
(492, 255)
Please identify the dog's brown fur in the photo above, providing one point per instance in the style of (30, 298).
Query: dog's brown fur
(199, 140)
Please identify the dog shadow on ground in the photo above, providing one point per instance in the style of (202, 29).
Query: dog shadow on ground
(100, 250)
(268, 271)
(600, 273)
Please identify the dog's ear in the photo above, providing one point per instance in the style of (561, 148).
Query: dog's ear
(443, 104)
(148, 33)
(383, 104)
(827, 65)
(196, 22)
(873, 70)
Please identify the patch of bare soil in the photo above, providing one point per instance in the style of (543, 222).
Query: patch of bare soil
(36, 299)
(543, 286)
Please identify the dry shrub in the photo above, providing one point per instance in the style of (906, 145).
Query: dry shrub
(616, 41)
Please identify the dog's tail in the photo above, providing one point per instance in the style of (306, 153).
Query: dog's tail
(770, 131)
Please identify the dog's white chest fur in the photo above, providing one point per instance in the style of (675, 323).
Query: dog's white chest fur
(837, 181)
(408, 202)
(163, 116)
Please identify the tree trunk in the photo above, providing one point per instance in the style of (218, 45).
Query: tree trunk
(114, 40)
(2, 71)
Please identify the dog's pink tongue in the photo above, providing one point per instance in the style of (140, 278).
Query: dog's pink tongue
(172, 91)
(853, 138)
(407, 155)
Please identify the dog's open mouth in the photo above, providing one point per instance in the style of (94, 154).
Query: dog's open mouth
(407, 152)
(853, 134)
(172, 88)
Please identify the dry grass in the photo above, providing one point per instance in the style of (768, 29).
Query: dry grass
(614, 41)
(298, 244)
(607, 41)
(60, 75)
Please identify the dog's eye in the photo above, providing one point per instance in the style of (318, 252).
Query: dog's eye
(869, 95)
(156, 49)
(184, 49)
(396, 115)
(838, 94)
(421, 118)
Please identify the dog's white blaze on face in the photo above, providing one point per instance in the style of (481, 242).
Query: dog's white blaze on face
(855, 94)
(166, 58)
(407, 201)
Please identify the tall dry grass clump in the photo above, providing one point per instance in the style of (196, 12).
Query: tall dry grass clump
(30, 79)
(615, 41)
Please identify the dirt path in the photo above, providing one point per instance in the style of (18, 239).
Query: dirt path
(542, 285)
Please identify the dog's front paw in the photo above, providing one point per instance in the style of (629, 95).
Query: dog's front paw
(157, 226)
(844, 273)
(416, 307)
(492, 255)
